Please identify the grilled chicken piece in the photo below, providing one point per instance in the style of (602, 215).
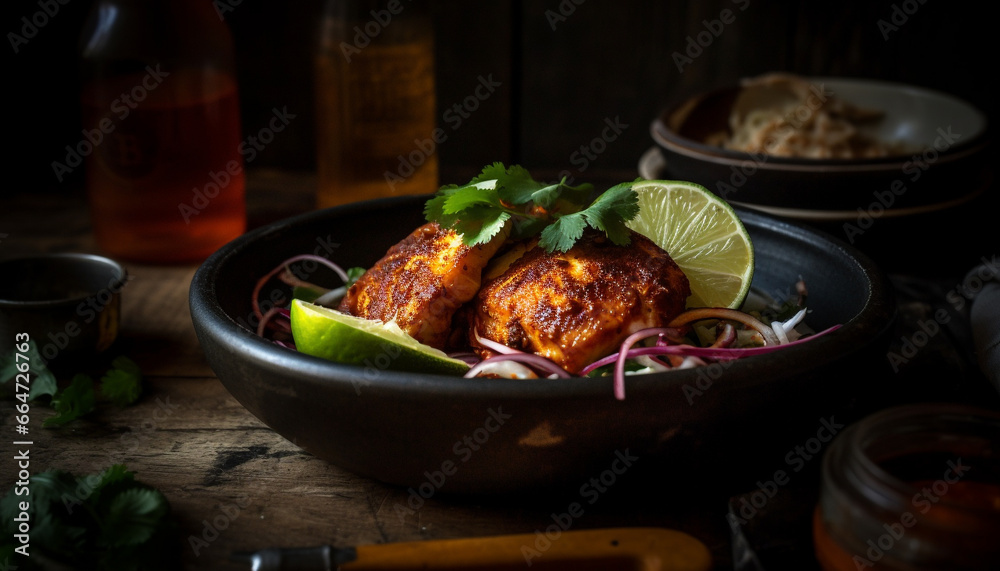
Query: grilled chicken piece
(421, 282)
(578, 306)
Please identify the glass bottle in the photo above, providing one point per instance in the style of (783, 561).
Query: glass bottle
(375, 97)
(160, 107)
(913, 487)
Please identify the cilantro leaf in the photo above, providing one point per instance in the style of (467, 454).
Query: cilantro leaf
(354, 274)
(43, 382)
(564, 233)
(611, 210)
(494, 171)
(306, 293)
(481, 224)
(559, 212)
(516, 186)
(122, 384)
(479, 194)
(105, 521)
(73, 402)
(548, 196)
(133, 516)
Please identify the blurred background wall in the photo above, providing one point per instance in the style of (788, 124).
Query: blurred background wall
(565, 69)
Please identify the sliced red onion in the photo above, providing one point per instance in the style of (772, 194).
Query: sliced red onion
(750, 321)
(726, 337)
(495, 346)
(266, 319)
(535, 361)
(255, 302)
(687, 351)
(466, 356)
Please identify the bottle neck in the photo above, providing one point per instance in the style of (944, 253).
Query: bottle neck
(121, 36)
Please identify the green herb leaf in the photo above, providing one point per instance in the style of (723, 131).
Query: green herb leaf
(479, 194)
(73, 402)
(564, 233)
(105, 521)
(481, 224)
(43, 382)
(559, 212)
(306, 293)
(568, 198)
(133, 517)
(354, 274)
(434, 207)
(611, 210)
(122, 384)
(492, 171)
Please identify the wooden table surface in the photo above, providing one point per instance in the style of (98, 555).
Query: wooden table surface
(233, 484)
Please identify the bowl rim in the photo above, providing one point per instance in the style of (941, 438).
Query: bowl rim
(669, 139)
(214, 325)
(117, 282)
(653, 157)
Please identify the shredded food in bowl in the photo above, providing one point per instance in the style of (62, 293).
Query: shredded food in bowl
(784, 115)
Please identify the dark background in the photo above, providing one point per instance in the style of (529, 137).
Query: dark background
(604, 60)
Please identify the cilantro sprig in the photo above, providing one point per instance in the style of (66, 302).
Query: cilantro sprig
(105, 521)
(500, 197)
(121, 384)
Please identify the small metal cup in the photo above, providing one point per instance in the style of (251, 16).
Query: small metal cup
(68, 304)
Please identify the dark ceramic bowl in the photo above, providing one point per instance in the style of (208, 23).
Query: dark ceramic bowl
(69, 304)
(435, 432)
(895, 209)
(948, 137)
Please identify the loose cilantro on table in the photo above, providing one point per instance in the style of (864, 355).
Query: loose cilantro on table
(104, 521)
(43, 381)
(121, 385)
(500, 196)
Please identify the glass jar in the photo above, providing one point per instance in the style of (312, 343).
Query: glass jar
(375, 97)
(164, 172)
(913, 487)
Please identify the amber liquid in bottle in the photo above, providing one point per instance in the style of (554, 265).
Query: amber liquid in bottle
(375, 108)
(166, 183)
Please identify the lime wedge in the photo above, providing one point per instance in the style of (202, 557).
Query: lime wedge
(336, 336)
(703, 234)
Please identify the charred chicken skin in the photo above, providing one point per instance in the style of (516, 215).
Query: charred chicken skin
(577, 306)
(421, 282)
